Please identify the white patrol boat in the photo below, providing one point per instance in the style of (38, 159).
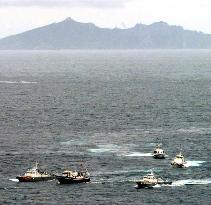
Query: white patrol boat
(179, 161)
(151, 180)
(159, 153)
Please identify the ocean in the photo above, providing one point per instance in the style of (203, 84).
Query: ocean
(107, 109)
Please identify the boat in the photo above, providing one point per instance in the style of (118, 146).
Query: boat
(34, 175)
(150, 180)
(179, 161)
(159, 152)
(72, 177)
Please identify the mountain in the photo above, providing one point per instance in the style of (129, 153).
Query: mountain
(70, 34)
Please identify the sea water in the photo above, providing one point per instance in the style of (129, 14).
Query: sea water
(108, 109)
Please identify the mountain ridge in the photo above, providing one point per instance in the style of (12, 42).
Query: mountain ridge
(70, 34)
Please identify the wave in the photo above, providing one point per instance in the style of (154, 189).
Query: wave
(17, 82)
(157, 186)
(115, 179)
(72, 142)
(138, 154)
(131, 175)
(120, 151)
(27, 82)
(105, 148)
(14, 180)
(191, 182)
(195, 130)
(99, 150)
(194, 163)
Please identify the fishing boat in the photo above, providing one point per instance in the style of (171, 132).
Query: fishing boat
(72, 177)
(158, 152)
(179, 161)
(150, 180)
(34, 175)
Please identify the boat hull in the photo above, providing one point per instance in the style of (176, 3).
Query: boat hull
(70, 180)
(34, 179)
(145, 185)
(159, 156)
(178, 165)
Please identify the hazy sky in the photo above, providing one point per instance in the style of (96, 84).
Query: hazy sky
(20, 15)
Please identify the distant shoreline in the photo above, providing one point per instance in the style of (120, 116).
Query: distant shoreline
(72, 35)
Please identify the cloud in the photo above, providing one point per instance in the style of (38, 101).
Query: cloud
(64, 3)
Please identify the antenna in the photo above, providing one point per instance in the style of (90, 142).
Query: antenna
(180, 148)
(36, 165)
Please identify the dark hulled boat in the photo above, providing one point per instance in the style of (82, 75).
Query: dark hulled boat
(72, 177)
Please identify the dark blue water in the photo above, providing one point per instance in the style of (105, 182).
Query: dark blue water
(106, 108)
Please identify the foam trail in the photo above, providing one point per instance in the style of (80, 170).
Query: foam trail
(196, 130)
(157, 186)
(194, 163)
(99, 150)
(118, 172)
(7, 81)
(17, 82)
(27, 82)
(191, 182)
(106, 148)
(14, 180)
(72, 142)
(139, 154)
